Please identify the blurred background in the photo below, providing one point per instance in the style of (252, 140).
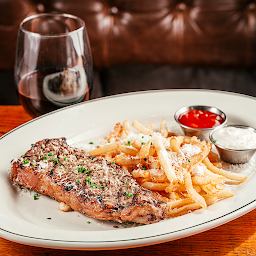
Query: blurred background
(149, 44)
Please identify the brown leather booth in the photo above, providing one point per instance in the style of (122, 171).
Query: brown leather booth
(150, 44)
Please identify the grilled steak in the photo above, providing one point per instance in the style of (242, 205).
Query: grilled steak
(89, 185)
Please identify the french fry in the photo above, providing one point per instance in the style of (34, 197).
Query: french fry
(213, 157)
(197, 188)
(174, 196)
(64, 207)
(170, 188)
(200, 180)
(141, 128)
(141, 174)
(194, 140)
(144, 151)
(220, 195)
(109, 156)
(180, 187)
(215, 178)
(210, 199)
(155, 186)
(224, 193)
(163, 158)
(136, 144)
(104, 150)
(126, 161)
(125, 129)
(217, 164)
(183, 210)
(154, 164)
(129, 151)
(209, 189)
(228, 175)
(114, 134)
(160, 178)
(192, 192)
(163, 128)
(199, 157)
(175, 143)
(151, 126)
(152, 151)
(179, 203)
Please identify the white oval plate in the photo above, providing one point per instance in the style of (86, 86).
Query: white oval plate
(40, 223)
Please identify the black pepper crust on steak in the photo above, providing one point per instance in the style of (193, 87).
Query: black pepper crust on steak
(88, 184)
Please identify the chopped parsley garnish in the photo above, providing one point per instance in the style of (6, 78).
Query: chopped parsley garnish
(23, 156)
(114, 173)
(65, 158)
(36, 196)
(77, 180)
(34, 164)
(214, 141)
(92, 157)
(56, 160)
(144, 167)
(82, 169)
(143, 143)
(101, 186)
(168, 149)
(88, 179)
(127, 183)
(188, 160)
(50, 154)
(91, 143)
(128, 143)
(93, 186)
(88, 222)
(128, 194)
(25, 161)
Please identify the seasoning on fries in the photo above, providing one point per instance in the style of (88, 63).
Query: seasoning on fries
(182, 169)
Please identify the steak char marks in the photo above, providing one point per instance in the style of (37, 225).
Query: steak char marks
(89, 185)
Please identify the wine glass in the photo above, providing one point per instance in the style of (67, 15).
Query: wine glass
(53, 65)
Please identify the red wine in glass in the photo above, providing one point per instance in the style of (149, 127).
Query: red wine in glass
(53, 66)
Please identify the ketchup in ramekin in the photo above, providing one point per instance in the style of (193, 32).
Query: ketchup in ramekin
(202, 119)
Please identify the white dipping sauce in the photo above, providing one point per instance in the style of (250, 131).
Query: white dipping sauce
(235, 138)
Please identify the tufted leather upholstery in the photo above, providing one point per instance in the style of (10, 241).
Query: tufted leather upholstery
(219, 33)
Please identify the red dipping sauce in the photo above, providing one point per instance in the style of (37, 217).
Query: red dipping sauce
(200, 119)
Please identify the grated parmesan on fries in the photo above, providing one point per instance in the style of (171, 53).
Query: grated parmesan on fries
(183, 169)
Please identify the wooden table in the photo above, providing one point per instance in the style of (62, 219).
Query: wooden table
(237, 237)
